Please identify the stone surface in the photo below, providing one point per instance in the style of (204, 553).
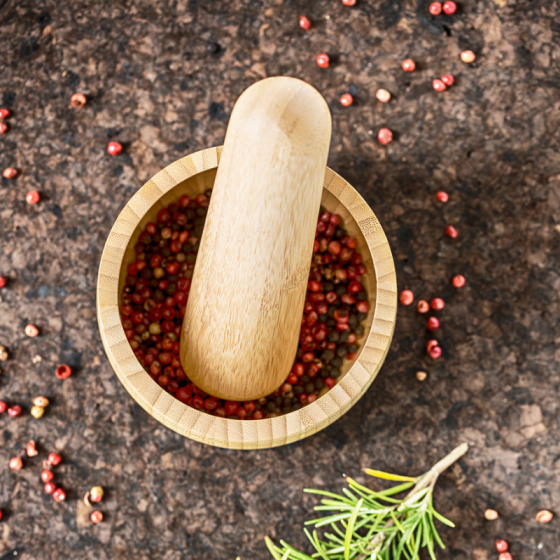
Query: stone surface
(491, 142)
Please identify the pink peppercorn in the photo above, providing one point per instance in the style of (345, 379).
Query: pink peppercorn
(304, 22)
(96, 517)
(63, 371)
(501, 545)
(448, 80)
(449, 8)
(59, 495)
(431, 343)
(16, 463)
(54, 459)
(435, 8)
(468, 56)
(10, 173)
(47, 476)
(435, 352)
(14, 411)
(442, 196)
(78, 100)
(438, 304)
(5, 113)
(346, 100)
(458, 281)
(423, 306)
(114, 148)
(505, 556)
(408, 65)
(3, 407)
(32, 197)
(385, 136)
(406, 297)
(31, 331)
(450, 231)
(349, 2)
(544, 516)
(3, 128)
(323, 60)
(438, 85)
(383, 95)
(3, 281)
(432, 324)
(50, 487)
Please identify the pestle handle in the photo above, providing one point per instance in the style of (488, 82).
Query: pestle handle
(243, 318)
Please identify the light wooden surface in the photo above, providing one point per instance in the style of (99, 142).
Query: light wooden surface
(194, 174)
(241, 327)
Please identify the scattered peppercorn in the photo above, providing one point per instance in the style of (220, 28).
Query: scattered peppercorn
(3, 281)
(50, 487)
(3, 354)
(435, 8)
(304, 22)
(468, 56)
(448, 80)
(96, 517)
(435, 352)
(438, 85)
(442, 196)
(47, 476)
(96, 494)
(491, 514)
(16, 463)
(3, 406)
(385, 136)
(438, 304)
(213, 47)
(406, 297)
(349, 2)
(423, 306)
(450, 231)
(114, 148)
(346, 100)
(505, 556)
(432, 324)
(31, 449)
(14, 411)
(408, 65)
(544, 516)
(32, 197)
(501, 545)
(31, 331)
(3, 127)
(421, 375)
(78, 100)
(10, 173)
(41, 401)
(54, 459)
(458, 281)
(449, 8)
(59, 495)
(323, 60)
(63, 371)
(0, 514)
(383, 95)
(37, 411)
(5, 113)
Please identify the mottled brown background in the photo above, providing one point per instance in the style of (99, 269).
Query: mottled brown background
(491, 142)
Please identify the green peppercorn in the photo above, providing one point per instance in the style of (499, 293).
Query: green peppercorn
(336, 362)
(322, 318)
(352, 320)
(361, 295)
(340, 291)
(333, 336)
(359, 330)
(327, 355)
(304, 378)
(298, 390)
(362, 317)
(191, 258)
(309, 387)
(319, 384)
(352, 348)
(344, 335)
(270, 405)
(341, 351)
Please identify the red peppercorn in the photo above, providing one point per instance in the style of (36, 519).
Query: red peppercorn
(438, 304)
(349, 2)
(16, 463)
(408, 65)
(423, 306)
(10, 173)
(406, 297)
(458, 281)
(63, 371)
(3, 407)
(3, 281)
(355, 287)
(501, 545)
(31, 330)
(505, 556)
(114, 148)
(435, 352)
(450, 231)
(5, 113)
(385, 136)
(47, 476)
(431, 343)
(50, 487)
(78, 100)
(432, 324)
(438, 85)
(346, 100)
(449, 8)
(323, 60)
(330, 382)
(32, 197)
(448, 80)
(59, 495)
(304, 22)
(14, 411)
(96, 517)
(3, 127)
(468, 56)
(362, 306)
(54, 459)
(442, 196)
(435, 8)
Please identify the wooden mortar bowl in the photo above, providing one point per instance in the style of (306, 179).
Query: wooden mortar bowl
(194, 174)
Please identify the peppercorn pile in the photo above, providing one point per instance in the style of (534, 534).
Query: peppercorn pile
(156, 291)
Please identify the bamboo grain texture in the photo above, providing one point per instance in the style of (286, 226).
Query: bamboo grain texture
(243, 318)
(194, 174)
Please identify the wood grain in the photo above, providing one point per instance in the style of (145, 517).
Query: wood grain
(194, 174)
(243, 319)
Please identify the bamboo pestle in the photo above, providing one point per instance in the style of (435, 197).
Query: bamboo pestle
(243, 317)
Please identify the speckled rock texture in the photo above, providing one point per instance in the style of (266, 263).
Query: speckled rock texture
(154, 84)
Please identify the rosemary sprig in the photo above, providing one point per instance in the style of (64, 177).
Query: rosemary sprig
(364, 524)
